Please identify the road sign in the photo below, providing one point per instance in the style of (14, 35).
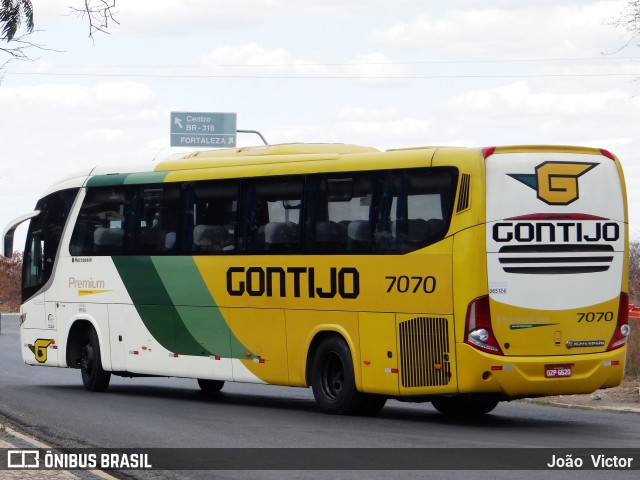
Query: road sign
(203, 129)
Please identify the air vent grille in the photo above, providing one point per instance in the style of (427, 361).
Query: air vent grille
(424, 352)
(463, 194)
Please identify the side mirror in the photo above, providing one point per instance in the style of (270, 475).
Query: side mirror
(6, 247)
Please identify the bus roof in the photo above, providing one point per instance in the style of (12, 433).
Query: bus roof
(284, 149)
(288, 159)
(292, 158)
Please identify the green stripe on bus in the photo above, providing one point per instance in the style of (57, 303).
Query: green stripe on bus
(195, 305)
(126, 179)
(153, 303)
(176, 306)
(107, 180)
(145, 178)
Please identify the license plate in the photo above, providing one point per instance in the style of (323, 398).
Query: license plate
(558, 371)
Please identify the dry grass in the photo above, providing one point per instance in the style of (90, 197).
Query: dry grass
(632, 369)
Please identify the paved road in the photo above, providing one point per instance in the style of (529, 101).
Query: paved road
(51, 404)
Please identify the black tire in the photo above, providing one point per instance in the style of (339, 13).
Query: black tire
(372, 404)
(332, 379)
(210, 387)
(463, 407)
(94, 378)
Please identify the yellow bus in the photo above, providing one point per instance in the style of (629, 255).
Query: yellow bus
(457, 276)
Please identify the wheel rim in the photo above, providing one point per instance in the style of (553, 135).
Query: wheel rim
(332, 376)
(86, 360)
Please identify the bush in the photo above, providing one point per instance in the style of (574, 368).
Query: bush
(632, 369)
(633, 347)
(10, 272)
(634, 273)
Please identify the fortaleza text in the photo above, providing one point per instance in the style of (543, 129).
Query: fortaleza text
(597, 461)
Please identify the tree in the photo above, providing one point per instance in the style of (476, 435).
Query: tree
(13, 13)
(629, 19)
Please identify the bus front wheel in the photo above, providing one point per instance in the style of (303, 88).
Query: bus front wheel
(463, 407)
(210, 387)
(94, 377)
(332, 378)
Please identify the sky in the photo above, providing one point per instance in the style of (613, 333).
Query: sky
(378, 73)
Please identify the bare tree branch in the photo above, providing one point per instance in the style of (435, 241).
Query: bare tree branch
(629, 20)
(14, 13)
(99, 14)
(19, 49)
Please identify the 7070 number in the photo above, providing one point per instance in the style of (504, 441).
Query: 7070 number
(595, 316)
(406, 284)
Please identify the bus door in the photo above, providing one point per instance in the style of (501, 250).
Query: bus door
(40, 256)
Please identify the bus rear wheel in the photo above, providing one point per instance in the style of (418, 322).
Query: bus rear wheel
(372, 404)
(210, 387)
(463, 407)
(332, 378)
(94, 377)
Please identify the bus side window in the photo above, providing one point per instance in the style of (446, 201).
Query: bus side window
(415, 209)
(210, 218)
(155, 216)
(272, 213)
(100, 227)
(107, 240)
(339, 213)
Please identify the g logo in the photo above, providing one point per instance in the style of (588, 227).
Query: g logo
(556, 182)
(39, 348)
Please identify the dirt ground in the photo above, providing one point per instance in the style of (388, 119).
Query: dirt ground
(625, 397)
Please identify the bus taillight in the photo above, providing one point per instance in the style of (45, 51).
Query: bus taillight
(607, 154)
(488, 151)
(478, 331)
(619, 338)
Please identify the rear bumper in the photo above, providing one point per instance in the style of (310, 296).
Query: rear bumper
(520, 377)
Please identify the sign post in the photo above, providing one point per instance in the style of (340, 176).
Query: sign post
(203, 129)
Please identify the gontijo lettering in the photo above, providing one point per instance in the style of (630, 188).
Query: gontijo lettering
(271, 281)
(559, 232)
